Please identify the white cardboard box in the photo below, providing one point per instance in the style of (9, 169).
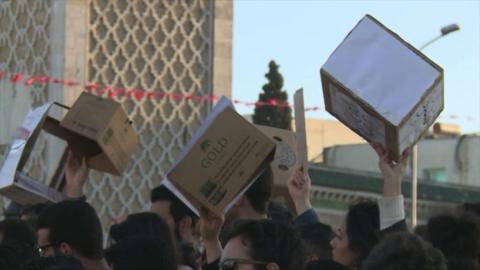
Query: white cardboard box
(381, 87)
(14, 183)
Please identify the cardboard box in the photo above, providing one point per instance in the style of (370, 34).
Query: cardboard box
(223, 158)
(106, 138)
(14, 183)
(381, 87)
(284, 163)
(285, 160)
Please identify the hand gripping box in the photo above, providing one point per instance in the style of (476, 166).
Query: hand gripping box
(17, 184)
(106, 136)
(381, 87)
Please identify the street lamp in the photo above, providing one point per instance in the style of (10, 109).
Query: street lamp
(443, 32)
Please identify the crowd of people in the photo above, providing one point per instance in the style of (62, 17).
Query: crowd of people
(255, 233)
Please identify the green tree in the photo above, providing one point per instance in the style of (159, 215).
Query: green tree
(268, 115)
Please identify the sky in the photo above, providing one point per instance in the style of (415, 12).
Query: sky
(301, 35)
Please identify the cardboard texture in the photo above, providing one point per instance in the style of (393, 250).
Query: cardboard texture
(223, 158)
(381, 87)
(106, 136)
(14, 183)
(300, 128)
(284, 163)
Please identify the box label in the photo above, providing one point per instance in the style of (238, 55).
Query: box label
(345, 108)
(423, 117)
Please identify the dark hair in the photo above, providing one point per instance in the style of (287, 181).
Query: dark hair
(17, 230)
(58, 262)
(276, 211)
(317, 237)
(260, 191)
(473, 208)
(178, 209)
(148, 224)
(271, 241)
(141, 252)
(31, 212)
(404, 251)
(14, 254)
(363, 228)
(457, 237)
(75, 223)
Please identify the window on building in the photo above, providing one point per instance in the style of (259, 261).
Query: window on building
(436, 174)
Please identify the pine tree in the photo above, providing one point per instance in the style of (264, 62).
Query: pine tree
(274, 116)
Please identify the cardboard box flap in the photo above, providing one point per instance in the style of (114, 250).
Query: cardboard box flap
(382, 69)
(46, 193)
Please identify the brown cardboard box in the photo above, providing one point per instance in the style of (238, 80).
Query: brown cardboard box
(285, 162)
(106, 138)
(220, 162)
(381, 87)
(17, 185)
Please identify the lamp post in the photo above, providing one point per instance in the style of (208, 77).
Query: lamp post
(443, 32)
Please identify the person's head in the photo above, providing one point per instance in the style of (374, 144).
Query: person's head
(148, 224)
(357, 234)
(472, 208)
(71, 228)
(255, 200)
(171, 209)
(420, 230)
(317, 237)
(406, 251)
(262, 244)
(458, 238)
(59, 262)
(30, 213)
(276, 211)
(14, 254)
(17, 230)
(141, 252)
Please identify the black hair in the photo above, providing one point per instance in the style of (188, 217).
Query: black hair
(363, 228)
(317, 237)
(58, 262)
(13, 229)
(259, 193)
(276, 211)
(271, 241)
(178, 209)
(76, 223)
(141, 252)
(15, 254)
(146, 223)
(31, 212)
(404, 251)
(458, 237)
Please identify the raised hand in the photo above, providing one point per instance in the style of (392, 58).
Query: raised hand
(392, 171)
(210, 227)
(299, 187)
(76, 173)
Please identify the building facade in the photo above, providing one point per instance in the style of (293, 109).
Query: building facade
(180, 48)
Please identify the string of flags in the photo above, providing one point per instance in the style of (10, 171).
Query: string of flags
(139, 94)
